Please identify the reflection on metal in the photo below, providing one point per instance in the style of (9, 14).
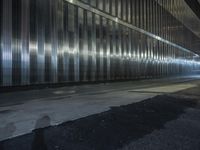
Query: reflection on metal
(53, 41)
(184, 14)
(110, 17)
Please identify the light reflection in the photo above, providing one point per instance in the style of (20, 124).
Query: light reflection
(67, 26)
(71, 1)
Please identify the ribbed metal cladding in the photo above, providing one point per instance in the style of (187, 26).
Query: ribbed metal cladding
(56, 41)
(1, 16)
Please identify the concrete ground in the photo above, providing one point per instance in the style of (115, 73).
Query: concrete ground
(126, 115)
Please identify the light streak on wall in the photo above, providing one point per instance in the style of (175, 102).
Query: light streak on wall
(56, 41)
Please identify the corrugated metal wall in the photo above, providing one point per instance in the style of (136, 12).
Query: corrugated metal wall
(52, 41)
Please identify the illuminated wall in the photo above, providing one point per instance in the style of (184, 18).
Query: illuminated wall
(56, 41)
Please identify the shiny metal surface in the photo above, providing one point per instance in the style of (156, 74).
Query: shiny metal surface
(173, 28)
(53, 41)
(183, 13)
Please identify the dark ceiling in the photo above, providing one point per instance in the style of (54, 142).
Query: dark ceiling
(195, 6)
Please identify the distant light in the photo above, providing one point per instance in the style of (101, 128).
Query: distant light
(158, 38)
(71, 1)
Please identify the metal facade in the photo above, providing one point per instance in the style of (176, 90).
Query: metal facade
(56, 41)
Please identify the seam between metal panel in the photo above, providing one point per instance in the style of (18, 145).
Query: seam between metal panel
(118, 20)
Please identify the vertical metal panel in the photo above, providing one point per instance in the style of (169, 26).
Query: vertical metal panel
(82, 32)
(101, 51)
(66, 53)
(105, 44)
(130, 54)
(54, 46)
(16, 42)
(133, 49)
(90, 45)
(7, 43)
(145, 14)
(100, 4)
(1, 42)
(85, 47)
(94, 47)
(108, 49)
(117, 50)
(71, 37)
(99, 48)
(98, 44)
(60, 32)
(33, 43)
(122, 53)
(111, 50)
(133, 12)
(25, 54)
(113, 47)
(40, 18)
(93, 3)
(53, 41)
(141, 7)
(137, 9)
(119, 5)
(76, 47)
(124, 10)
(47, 43)
(107, 5)
(114, 7)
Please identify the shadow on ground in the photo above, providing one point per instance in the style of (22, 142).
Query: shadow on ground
(105, 131)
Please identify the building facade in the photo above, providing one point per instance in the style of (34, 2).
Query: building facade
(61, 41)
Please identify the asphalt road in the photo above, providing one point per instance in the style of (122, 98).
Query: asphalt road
(158, 115)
